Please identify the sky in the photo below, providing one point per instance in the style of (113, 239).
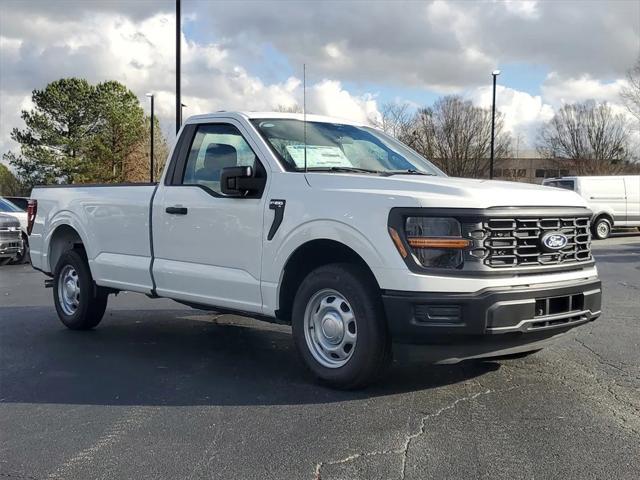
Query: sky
(360, 55)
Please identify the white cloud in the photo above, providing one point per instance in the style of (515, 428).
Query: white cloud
(523, 8)
(558, 90)
(438, 45)
(523, 113)
(140, 54)
(447, 47)
(329, 98)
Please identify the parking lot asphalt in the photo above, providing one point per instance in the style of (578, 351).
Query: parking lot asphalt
(160, 391)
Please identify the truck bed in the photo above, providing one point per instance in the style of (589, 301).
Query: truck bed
(113, 223)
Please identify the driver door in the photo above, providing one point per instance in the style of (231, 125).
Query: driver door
(208, 247)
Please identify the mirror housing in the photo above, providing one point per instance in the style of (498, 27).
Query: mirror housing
(239, 181)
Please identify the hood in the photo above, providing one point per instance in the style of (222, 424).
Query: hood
(8, 221)
(449, 192)
(20, 216)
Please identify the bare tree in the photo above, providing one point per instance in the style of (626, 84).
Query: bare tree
(295, 108)
(397, 120)
(631, 93)
(456, 135)
(590, 135)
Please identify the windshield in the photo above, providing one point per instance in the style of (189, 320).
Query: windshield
(340, 148)
(7, 206)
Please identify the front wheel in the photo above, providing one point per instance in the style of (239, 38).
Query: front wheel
(339, 326)
(80, 303)
(602, 228)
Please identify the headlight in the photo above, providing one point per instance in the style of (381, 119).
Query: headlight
(435, 242)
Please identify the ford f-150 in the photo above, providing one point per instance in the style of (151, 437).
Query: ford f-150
(362, 245)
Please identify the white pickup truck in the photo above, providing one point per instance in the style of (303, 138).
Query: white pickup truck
(359, 243)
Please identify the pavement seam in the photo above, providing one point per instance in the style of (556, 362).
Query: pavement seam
(111, 436)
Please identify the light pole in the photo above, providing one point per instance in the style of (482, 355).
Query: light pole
(178, 102)
(150, 95)
(182, 105)
(495, 74)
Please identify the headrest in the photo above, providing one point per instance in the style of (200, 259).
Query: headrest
(219, 154)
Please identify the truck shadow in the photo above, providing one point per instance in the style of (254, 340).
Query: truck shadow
(627, 253)
(176, 358)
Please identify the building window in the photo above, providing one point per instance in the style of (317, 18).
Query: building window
(541, 173)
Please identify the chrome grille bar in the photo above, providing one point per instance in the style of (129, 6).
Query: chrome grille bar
(515, 242)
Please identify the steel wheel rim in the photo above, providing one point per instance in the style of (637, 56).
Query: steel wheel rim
(69, 290)
(330, 328)
(603, 229)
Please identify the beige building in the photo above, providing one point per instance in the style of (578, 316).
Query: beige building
(530, 168)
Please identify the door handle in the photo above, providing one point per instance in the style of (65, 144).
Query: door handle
(176, 210)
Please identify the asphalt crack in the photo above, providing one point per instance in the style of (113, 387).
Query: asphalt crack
(403, 449)
(601, 359)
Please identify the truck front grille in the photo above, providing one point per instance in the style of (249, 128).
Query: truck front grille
(517, 242)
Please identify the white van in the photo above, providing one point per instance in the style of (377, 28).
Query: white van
(614, 200)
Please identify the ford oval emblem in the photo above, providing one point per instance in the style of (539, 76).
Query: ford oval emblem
(554, 241)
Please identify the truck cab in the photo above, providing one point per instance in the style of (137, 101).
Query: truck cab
(363, 246)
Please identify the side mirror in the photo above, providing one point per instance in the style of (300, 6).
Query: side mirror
(239, 181)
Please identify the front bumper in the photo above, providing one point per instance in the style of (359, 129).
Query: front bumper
(492, 320)
(10, 247)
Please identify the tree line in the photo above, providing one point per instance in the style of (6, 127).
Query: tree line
(586, 137)
(82, 133)
(589, 138)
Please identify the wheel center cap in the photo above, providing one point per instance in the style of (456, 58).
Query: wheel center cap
(70, 287)
(332, 328)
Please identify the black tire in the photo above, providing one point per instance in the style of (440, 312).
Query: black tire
(372, 351)
(91, 306)
(601, 228)
(4, 261)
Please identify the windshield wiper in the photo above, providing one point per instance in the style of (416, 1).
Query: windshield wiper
(410, 172)
(345, 169)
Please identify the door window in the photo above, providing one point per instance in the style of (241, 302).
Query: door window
(567, 184)
(214, 147)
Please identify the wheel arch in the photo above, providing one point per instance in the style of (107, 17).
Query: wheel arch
(603, 214)
(306, 258)
(63, 238)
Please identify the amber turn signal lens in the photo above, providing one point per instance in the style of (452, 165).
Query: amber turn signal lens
(435, 242)
(398, 242)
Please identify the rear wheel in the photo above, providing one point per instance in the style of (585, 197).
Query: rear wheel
(80, 303)
(339, 326)
(602, 228)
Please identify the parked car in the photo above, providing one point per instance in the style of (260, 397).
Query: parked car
(614, 200)
(334, 227)
(9, 208)
(10, 238)
(20, 202)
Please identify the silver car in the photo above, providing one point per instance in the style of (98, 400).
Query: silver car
(10, 238)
